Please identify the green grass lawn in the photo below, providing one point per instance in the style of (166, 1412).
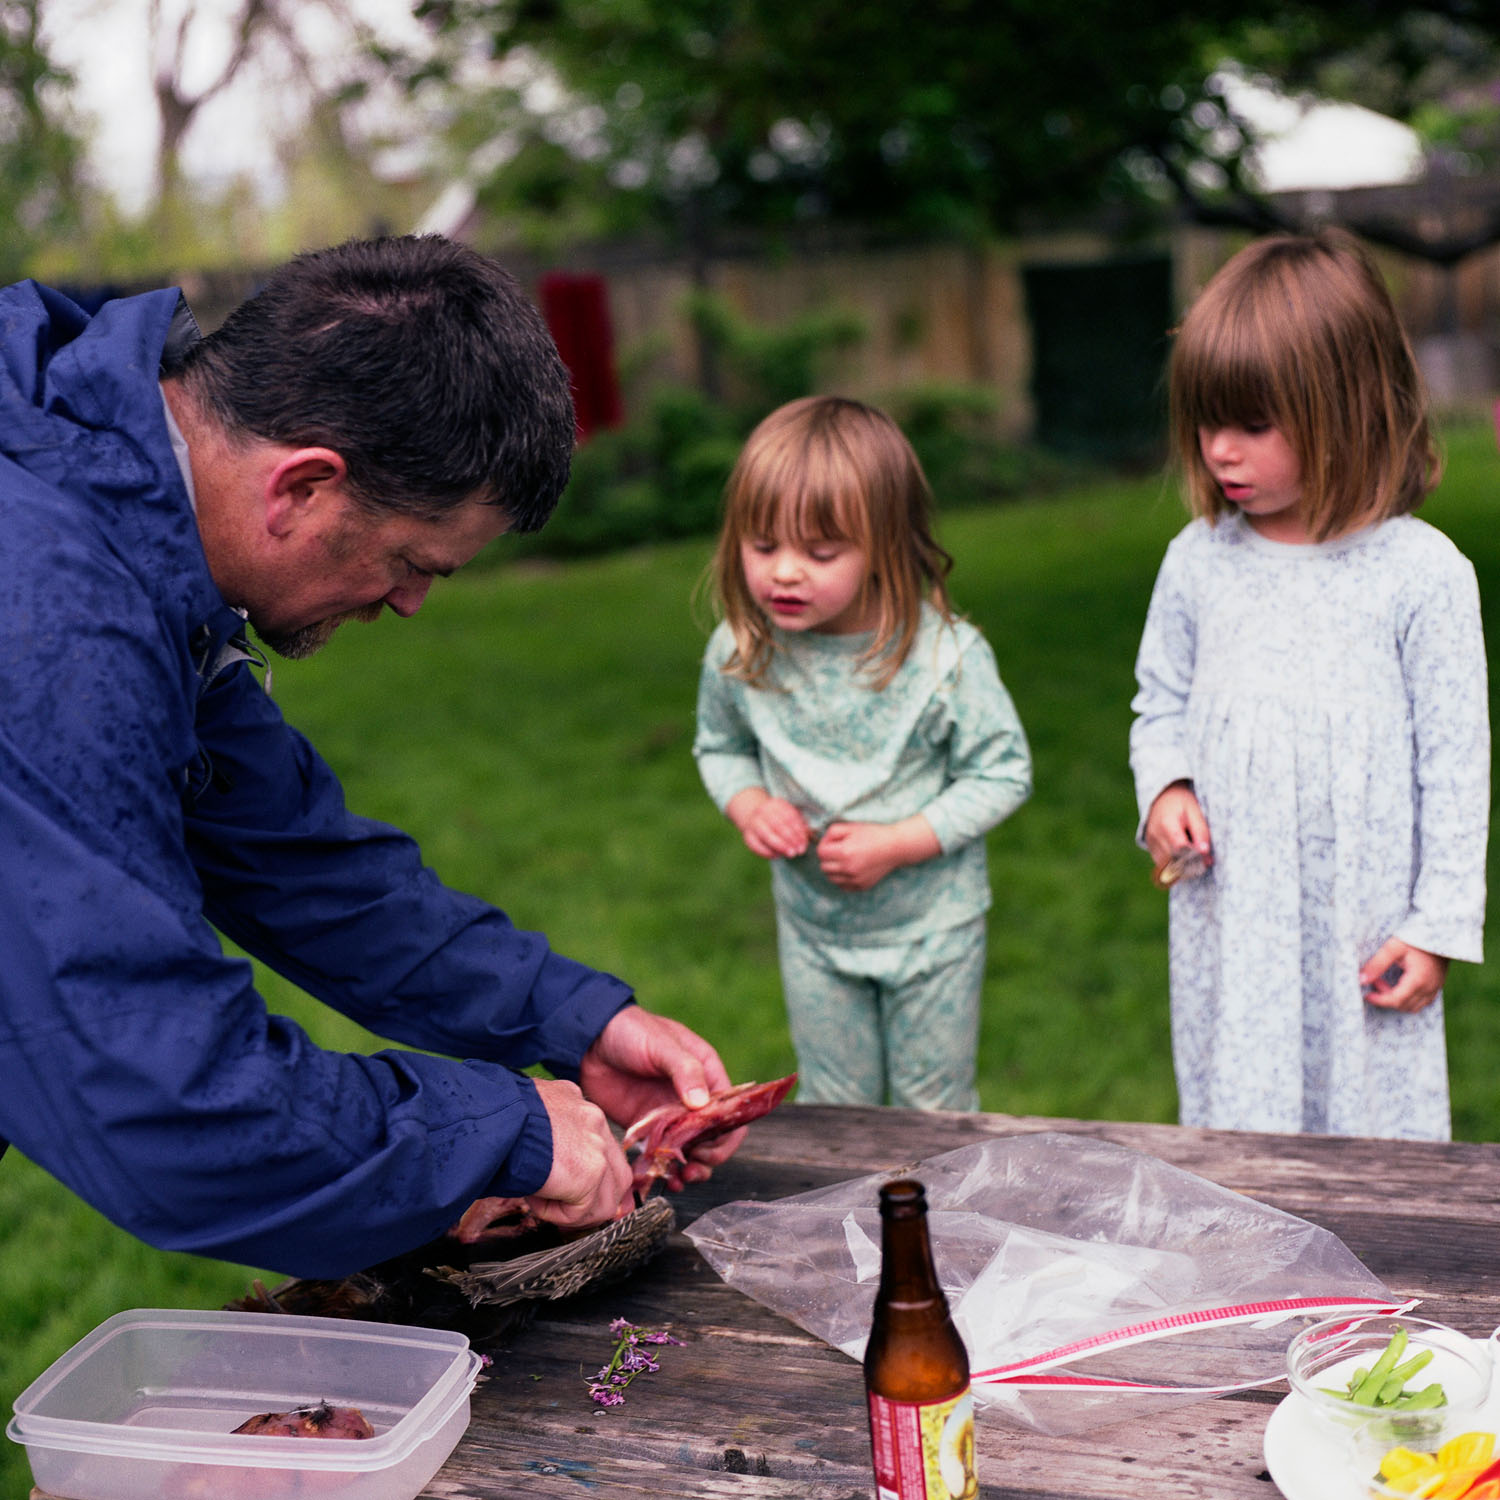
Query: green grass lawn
(533, 729)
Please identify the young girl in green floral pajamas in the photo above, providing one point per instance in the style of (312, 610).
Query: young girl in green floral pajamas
(856, 732)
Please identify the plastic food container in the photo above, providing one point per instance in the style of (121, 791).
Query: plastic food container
(145, 1407)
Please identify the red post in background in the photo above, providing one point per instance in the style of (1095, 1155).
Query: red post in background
(576, 307)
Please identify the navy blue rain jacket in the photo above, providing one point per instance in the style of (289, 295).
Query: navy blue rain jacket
(148, 795)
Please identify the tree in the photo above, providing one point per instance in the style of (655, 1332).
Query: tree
(1436, 67)
(789, 111)
(176, 105)
(40, 146)
(320, 89)
(955, 116)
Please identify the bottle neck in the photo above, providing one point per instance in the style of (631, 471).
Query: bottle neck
(908, 1277)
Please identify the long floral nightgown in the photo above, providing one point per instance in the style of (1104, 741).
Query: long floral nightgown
(1329, 704)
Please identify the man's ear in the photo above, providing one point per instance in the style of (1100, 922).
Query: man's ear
(304, 484)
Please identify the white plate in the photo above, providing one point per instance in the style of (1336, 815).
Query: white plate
(1309, 1461)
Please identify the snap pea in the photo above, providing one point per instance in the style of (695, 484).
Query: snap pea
(1396, 1380)
(1428, 1397)
(1367, 1392)
(1383, 1384)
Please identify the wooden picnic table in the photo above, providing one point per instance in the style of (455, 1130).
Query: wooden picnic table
(752, 1407)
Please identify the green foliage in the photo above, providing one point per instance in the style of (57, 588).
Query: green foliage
(662, 474)
(1433, 66)
(947, 119)
(955, 119)
(40, 144)
(773, 364)
(656, 478)
(951, 426)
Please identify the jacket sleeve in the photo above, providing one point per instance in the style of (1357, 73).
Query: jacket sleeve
(142, 1070)
(139, 1065)
(1164, 674)
(344, 907)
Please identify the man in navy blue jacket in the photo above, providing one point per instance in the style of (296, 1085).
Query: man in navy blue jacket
(365, 423)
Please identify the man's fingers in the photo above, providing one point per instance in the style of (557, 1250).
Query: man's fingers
(590, 1178)
(580, 1216)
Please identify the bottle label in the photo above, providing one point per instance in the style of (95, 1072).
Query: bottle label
(923, 1450)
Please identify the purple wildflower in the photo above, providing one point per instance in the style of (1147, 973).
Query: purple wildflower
(628, 1360)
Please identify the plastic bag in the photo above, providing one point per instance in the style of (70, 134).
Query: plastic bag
(1091, 1283)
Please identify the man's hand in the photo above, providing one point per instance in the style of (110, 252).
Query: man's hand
(770, 826)
(590, 1178)
(640, 1061)
(1414, 988)
(855, 856)
(1176, 822)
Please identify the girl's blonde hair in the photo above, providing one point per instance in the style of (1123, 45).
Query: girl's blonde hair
(826, 467)
(1299, 331)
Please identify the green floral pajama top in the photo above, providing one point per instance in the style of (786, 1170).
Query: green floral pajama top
(941, 738)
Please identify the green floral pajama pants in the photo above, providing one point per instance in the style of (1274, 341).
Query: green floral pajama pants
(894, 1024)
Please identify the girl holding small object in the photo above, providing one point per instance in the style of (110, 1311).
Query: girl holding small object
(856, 732)
(1312, 714)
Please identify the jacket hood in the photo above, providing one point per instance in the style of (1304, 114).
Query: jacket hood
(83, 414)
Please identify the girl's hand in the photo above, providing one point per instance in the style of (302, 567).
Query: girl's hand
(855, 856)
(1421, 977)
(770, 826)
(1175, 822)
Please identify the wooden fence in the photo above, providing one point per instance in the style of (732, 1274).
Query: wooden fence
(969, 315)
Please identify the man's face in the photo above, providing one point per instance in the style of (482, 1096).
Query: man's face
(353, 566)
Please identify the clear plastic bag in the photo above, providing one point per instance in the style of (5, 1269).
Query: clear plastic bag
(1091, 1283)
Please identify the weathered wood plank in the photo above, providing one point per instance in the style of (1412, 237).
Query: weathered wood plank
(1213, 1450)
(754, 1407)
(750, 1407)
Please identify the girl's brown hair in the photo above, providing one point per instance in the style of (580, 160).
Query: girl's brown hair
(1299, 331)
(827, 467)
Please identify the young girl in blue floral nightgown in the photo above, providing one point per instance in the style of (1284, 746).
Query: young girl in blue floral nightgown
(856, 733)
(1312, 719)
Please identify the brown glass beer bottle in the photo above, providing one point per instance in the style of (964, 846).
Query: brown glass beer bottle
(916, 1367)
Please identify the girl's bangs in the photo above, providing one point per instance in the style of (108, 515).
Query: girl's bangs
(802, 507)
(1237, 358)
(1231, 385)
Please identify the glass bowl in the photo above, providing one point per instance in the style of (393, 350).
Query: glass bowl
(1322, 1359)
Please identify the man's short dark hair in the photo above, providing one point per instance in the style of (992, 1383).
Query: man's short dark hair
(418, 360)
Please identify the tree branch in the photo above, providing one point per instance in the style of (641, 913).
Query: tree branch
(1259, 215)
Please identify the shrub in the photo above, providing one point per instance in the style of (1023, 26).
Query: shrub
(661, 475)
